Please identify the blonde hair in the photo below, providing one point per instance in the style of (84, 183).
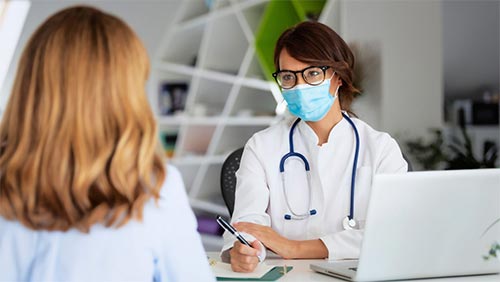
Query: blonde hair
(78, 138)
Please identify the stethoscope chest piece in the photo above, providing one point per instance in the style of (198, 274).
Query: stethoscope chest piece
(349, 224)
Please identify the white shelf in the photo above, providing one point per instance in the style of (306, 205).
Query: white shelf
(192, 23)
(250, 120)
(176, 68)
(256, 83)
(243, 120)
(185, 120)
(198, 160)
(209, 207)
(228, 100)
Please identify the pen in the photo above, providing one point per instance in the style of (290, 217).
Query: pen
(228, 227)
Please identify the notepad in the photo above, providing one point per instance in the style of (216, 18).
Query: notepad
(263, 272)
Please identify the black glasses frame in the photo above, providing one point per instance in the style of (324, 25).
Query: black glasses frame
(323, 68)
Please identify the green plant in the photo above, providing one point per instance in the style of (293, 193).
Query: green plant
(428, 154)
(463, 157)
(457, 155)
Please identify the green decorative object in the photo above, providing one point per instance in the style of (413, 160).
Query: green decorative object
(278, 16)
(494, 251)
(274, 274)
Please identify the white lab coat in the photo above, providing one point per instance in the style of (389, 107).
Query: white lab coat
(259, 192)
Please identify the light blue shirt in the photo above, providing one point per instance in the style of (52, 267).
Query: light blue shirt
(164, 247)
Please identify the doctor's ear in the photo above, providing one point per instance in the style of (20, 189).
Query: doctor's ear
(338, 79)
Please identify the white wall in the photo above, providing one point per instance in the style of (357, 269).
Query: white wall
(471, 42)
(149, 19)
(12, 17)
(400, 50)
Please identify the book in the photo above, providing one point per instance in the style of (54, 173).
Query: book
(263, 272)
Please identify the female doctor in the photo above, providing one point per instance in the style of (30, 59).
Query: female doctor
(303, 184)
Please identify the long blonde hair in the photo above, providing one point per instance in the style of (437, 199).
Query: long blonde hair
(78, 138)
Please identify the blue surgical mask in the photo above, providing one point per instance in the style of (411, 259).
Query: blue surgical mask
(308, 102)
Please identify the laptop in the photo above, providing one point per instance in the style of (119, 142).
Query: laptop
(426, 224)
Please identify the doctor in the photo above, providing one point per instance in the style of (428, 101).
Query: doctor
(303, 184)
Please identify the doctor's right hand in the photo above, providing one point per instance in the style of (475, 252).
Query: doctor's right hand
(244, 258)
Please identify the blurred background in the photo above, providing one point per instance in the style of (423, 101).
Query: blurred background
(429, 72)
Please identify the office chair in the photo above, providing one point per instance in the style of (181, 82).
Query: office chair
(228, 177)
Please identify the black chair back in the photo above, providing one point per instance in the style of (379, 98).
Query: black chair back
(228, 178)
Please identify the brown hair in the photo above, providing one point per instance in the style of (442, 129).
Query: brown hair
(78, 139)
(317, 44)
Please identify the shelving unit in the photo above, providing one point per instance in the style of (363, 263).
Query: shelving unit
(229, 98)
(211, 49)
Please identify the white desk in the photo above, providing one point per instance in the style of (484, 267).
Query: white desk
(302, 273)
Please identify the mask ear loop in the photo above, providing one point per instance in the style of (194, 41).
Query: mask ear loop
(336, 92)
(281, 107)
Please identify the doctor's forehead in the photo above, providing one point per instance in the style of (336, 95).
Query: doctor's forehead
(288, 62)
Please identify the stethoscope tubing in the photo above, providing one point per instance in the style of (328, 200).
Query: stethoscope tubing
(354, 166)
(292, 153)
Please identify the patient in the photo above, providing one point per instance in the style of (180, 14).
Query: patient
(84, 192)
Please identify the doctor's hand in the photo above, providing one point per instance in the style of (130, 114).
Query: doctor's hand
(244, 258)
(270, 238)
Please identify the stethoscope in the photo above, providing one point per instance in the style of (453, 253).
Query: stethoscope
(349, 222)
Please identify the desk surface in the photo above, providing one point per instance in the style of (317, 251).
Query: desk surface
(301, 272)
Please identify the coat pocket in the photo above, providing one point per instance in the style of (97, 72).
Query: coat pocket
(363, 188)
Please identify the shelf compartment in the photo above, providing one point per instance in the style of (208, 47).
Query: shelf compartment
(208, 191)
(210, 207)
(253, 14)
(253, 102)
(254, 70)
(225, 45)
(184, 45)
(193, 9)
(188, 172)
(195, 140)
(236, 136)
(171, 93)
(210, 99)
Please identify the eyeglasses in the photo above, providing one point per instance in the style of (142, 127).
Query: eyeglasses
(313, 75)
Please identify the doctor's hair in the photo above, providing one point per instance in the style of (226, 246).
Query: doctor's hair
(78, 138)
(317, 44)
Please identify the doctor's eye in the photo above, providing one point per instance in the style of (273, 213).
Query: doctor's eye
(286, 79)
(314, 75)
